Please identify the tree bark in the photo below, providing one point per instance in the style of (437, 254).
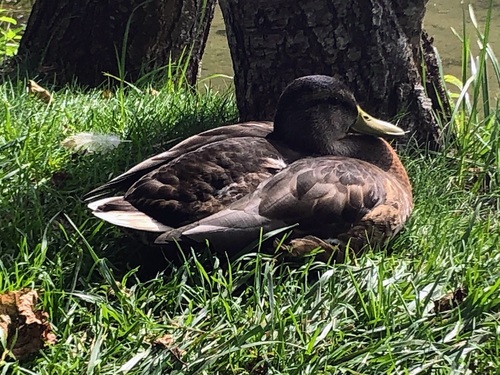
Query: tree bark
(82, 39)
(373, 45)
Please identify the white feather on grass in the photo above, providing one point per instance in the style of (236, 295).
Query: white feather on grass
(91, 142)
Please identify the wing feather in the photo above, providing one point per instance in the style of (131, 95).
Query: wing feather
(117, 211)
(124, 181)
(324, 188)
(316, 193)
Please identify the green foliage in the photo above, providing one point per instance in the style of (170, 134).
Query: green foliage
(10, 35)
(475, 124)
(256, 315)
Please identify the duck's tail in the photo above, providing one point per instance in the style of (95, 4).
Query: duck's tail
(117, 211)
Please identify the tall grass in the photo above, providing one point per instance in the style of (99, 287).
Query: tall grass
(475, 118)
(382, 313)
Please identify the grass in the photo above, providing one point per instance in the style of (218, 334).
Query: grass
(257, 315)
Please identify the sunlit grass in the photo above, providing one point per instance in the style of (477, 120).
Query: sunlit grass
(475, 118)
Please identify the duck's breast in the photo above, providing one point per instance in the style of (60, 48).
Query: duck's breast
(327, 195)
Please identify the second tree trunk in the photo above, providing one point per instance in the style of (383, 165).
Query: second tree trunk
(373, 45)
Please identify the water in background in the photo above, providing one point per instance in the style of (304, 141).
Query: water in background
(441, 16)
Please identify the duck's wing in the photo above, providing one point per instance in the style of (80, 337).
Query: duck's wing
(323, 195)
(194, 185)
(229, 229)
(124, 181)
(202, 182)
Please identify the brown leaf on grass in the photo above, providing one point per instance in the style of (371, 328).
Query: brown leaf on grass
(450, 300)
(26, 329)
(163, 342)
(166, 342)
(38, 91)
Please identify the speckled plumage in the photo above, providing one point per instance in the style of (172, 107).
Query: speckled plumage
(204, 181)
(259, 129)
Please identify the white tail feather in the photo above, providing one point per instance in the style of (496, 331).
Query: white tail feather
(129, 218)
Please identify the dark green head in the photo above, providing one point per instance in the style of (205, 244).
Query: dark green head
(314, 112)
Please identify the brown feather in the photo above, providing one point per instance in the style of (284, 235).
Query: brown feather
(228, 183)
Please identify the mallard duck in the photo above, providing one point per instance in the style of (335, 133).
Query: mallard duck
(226, 184)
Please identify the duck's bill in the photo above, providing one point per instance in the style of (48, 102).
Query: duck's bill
(367, 124)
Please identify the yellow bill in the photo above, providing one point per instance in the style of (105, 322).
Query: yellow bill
(367, 124)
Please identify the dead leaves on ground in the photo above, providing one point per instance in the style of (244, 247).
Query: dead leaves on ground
(23, 329)
(45, 96)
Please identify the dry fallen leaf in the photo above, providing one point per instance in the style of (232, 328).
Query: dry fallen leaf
(450, 300)
(166, 343)
(26, 329)
(38, 91)
(163, 342)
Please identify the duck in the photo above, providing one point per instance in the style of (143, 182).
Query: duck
(322, 167)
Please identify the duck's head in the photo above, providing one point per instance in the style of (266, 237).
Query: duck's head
(315, 112)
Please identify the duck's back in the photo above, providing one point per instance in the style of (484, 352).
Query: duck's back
(204, 181)
(258, 129)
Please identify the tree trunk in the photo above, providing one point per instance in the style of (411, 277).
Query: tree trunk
(373, 45)
(82, 39)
